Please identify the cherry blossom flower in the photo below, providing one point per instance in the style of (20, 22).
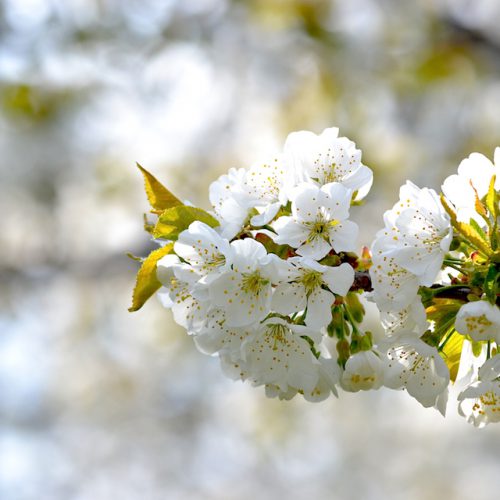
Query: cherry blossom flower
(266, 184)
(480, 320)
(204, 249)
(231, 201)
(304, 289)
(178, 293)
(419, 232)
(244, 292)
(418, 367)
(363, 371)
(275, 353)
(319, 221)
(479, 403)
(327, 158)
(472, 180)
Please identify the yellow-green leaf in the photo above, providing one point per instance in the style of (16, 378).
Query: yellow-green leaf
(478, 204)
(452, 352)
(176, 219)
(492, 199)
(147, 283)
(160, 198)
(466, 230)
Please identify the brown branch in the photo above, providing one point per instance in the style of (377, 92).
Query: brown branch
(453, 293)
(362, 281)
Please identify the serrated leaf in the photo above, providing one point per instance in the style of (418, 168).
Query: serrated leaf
(492, 199)
(466, 230)
(147, 283)
(159, 197)
(452, 352)
(478, 204)
(176, 219)
(479, 230)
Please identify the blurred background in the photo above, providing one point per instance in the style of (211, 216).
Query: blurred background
(98, 403)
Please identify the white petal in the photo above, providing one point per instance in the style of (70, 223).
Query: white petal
(289, 298)
(315, 249)
(319, 308)
(343, 236)
(339, 279)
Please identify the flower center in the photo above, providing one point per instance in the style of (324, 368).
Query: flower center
(478, 324)
(320, 228)
(277, 334)
(216, 260)
(329, 174)
(253, 283)
(311, 280)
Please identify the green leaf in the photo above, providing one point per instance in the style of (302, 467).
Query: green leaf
(452, 352)
(478, 204)
(490, 283)
(479, 230)
(147, 283)
(160, 198)
(468, 232)
(176, 219)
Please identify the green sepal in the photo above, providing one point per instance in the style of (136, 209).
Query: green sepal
(361, 342)
(355, 307)
(338, 327)
(176, 219)
(159, 197)
(146, 283)
(477, 348)
(344, 352)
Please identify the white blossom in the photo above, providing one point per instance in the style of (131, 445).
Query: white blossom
(418, 231)
(319, 221)
(231, 201)
(276, 354)
(179, 287)
(473, 179)
(418, 367)
(204, 249)
(244, 292)
(267, 185)
(479, 403)
(217, 337)
(411, 319)
(363, 371)
(394, 287)
(329, 376)
(327, 158)
(480, 320)
(304, 288)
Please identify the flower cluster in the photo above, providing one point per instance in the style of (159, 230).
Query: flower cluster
(269, 281)
(435, 276)
(257, 289)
